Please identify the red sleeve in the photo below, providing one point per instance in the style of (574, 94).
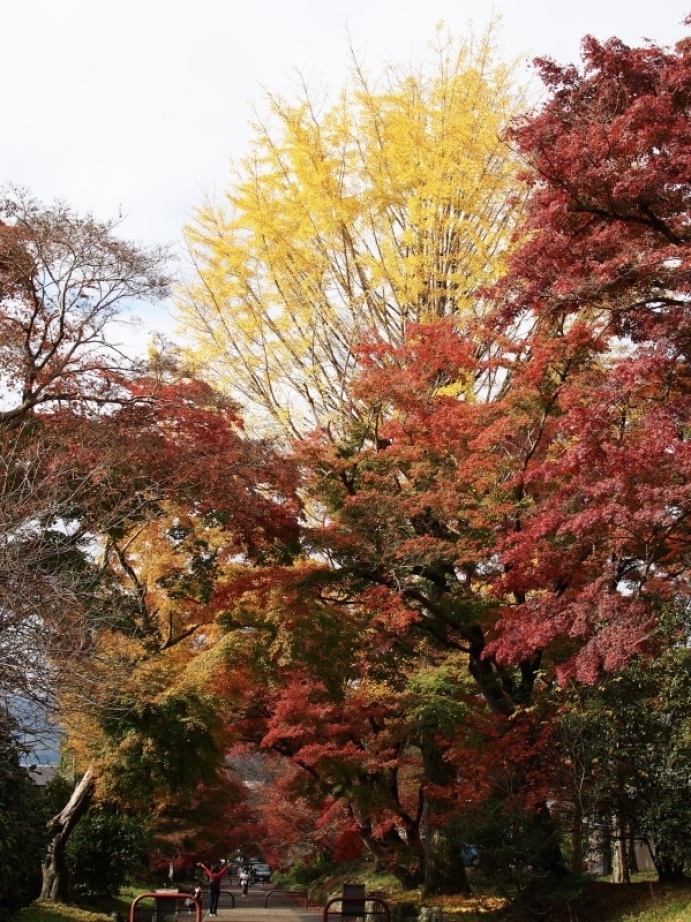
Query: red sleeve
(221, 873)
(206, 870)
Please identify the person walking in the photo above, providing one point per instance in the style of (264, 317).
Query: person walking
(215, 875)
(244, 881)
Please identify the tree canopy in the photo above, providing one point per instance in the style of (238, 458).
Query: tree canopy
(388, 206)
(445, 615)
(502, 512)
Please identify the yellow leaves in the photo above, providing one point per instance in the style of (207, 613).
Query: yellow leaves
(453, 904)
(461, 388)
(389, 206)
(458, 904)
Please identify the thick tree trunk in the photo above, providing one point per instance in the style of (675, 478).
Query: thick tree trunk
(577, 840)
(54, 887)
(631, 851)
(605, 844)
(393, 857)
(444, 867)
(550, 858)
(620, 865)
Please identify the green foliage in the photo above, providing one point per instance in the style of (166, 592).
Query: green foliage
(103, 850)
(55, 794)
(309, 874)
(674, 911)
(518, 853)
(437, 696)
(22, 832)
(161, 749)
(627, 742)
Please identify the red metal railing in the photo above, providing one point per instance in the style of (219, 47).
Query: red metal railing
(297, 893)
(355, 910)
(162, 896)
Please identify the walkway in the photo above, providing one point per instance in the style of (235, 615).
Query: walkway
(250, 908)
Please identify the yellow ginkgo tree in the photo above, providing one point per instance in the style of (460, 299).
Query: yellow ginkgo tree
(389, 206)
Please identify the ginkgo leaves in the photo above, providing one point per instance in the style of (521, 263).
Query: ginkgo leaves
(390, 206)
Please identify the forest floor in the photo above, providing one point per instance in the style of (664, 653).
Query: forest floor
(647, 901)
(644, 901)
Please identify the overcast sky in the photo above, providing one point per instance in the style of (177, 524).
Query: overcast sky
(140, 105)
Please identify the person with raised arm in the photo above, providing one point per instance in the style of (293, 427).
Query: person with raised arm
(215, 874)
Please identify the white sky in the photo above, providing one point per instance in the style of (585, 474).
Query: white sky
(140, 105)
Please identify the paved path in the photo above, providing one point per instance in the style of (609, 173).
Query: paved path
(251, 908)
(248, 908)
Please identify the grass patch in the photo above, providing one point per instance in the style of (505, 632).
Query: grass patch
(96, 910)
(676, 910)
(59, 912)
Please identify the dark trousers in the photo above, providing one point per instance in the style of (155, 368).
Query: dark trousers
(213, 899)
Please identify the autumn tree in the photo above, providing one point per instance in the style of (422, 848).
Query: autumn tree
(602, 284)
(121, 488)
(63, 278)
(410, 525)
(386, 207)
(514, 489)
(579, 453)
(390, 207)
(191, 494)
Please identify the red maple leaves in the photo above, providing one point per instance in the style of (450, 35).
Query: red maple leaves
(516, 490)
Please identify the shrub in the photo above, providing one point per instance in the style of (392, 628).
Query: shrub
(104, 848)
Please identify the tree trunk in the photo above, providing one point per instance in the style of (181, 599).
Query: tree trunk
(389, 853)
(577, 839)
(54, 886)
(444, 867)
(550, 858)
(605, 844)
(631, 845)
(669, 863)
(668, 871)
(620, 865)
